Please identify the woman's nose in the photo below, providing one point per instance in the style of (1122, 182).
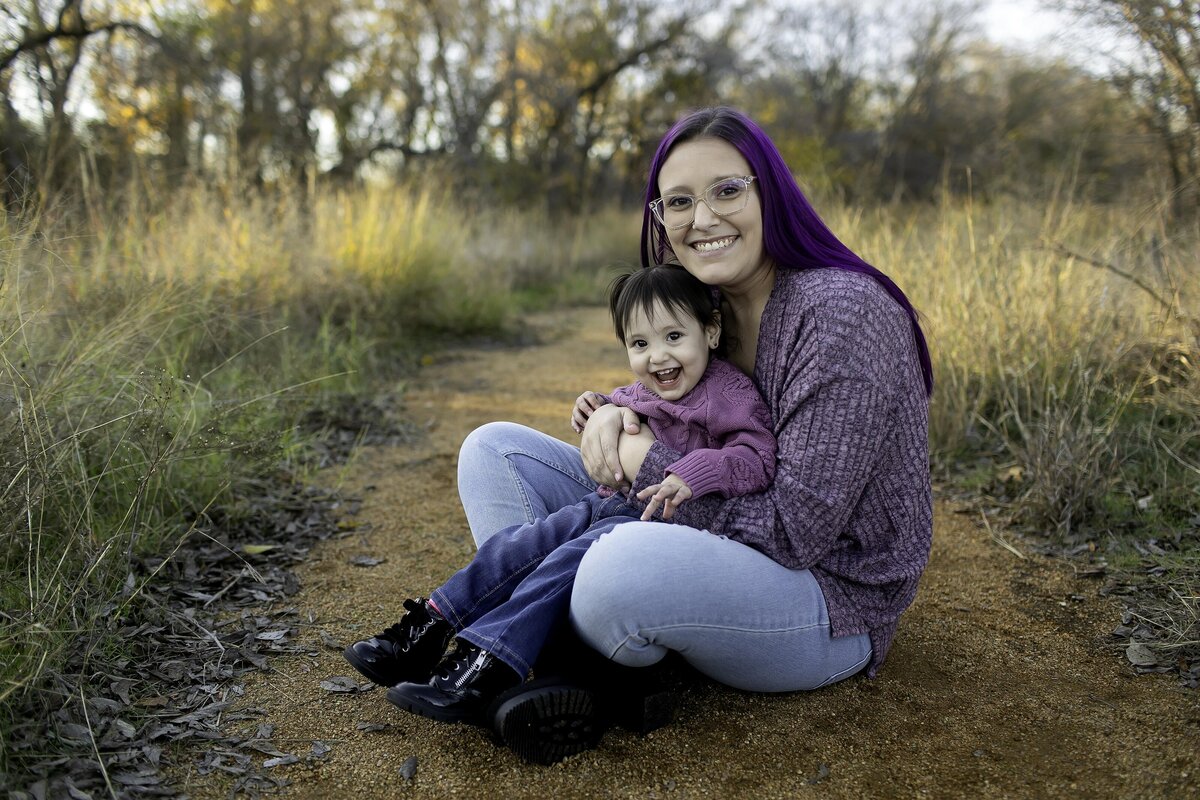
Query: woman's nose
(703, 219)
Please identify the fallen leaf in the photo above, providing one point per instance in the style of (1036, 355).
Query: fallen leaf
(366, 561)
(341, 685)
(1140, 655)
(281, 761)
(271, 636)
(408, 770)
(257, 549)
(319, 748)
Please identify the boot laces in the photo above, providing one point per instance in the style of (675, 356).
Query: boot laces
(462, 658)
(404, 632)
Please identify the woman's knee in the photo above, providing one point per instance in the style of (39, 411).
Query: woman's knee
(614, 585)
(492, 438)
(620, 561)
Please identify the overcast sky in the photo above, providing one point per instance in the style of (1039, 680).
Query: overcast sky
(1029, 26)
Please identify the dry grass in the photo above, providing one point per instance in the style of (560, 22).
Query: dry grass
(157, 353)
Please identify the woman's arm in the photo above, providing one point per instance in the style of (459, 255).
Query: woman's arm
(600, 445)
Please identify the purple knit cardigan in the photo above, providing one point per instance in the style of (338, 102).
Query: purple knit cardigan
(837, 365)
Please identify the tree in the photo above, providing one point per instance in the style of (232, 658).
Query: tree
(42, 46)
(1164, 79)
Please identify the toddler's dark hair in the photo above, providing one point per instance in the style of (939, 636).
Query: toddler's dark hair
(669, 284)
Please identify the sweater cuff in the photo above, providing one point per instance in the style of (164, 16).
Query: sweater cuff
(699, 473)
(654, 466)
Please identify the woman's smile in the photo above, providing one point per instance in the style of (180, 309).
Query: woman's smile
(713, 246)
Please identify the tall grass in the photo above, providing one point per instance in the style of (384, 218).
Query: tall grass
(157, 353)
(1082, 379)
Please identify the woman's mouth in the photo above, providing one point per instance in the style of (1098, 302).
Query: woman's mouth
(666, 377)
(713, 245)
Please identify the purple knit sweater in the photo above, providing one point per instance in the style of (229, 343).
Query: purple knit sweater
(837, 365)
(722, 426)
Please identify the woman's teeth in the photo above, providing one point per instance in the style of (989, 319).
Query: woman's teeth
(716, 244)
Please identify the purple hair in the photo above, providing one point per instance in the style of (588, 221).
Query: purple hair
(794, 236)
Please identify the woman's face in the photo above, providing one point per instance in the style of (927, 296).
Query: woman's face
(725, 251)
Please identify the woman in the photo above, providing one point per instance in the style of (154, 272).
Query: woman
(792, 588)
(799, 586)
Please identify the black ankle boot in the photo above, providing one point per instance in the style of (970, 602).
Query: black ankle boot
(548, 719)
(407, 651)
(463, 684)
(639, 699)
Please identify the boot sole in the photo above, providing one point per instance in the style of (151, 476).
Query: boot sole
(543, 724)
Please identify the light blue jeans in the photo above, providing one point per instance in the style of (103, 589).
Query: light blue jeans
(648, 587)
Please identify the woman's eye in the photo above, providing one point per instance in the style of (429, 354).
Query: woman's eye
(678, 202)
(728, 191)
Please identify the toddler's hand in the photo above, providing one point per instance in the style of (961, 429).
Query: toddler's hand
(585, 404)
(669, 494)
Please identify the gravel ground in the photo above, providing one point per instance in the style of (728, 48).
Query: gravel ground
(1003, 681)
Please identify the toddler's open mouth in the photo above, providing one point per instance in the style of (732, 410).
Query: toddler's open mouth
(666, 377)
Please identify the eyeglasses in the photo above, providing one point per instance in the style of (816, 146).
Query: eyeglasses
(726, 196)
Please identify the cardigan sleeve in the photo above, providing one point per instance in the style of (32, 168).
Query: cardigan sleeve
(738, 422)
(831, 401)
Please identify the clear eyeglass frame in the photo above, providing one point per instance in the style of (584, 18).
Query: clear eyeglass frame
(715, 204)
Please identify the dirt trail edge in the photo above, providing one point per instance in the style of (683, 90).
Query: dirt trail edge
(1002, 681)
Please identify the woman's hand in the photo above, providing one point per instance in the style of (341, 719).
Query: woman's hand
(585, 404)
(669, 494)
(600, 444)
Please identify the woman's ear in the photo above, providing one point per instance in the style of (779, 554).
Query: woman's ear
(712, 331)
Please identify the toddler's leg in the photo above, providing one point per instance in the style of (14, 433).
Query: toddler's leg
(509, 557)
(517, 629)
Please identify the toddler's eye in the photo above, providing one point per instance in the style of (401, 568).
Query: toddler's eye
(637, 343)
(674, 336)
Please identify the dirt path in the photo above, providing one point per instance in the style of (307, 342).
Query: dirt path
(1000, 684)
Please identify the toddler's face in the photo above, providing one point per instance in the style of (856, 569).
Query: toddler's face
(668, 355)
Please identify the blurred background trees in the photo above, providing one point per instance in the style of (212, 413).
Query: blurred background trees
(558, 101)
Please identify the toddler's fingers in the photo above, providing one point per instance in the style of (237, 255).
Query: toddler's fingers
(649, 491)
(651, 507)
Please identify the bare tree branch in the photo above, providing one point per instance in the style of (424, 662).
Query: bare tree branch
(68, 28)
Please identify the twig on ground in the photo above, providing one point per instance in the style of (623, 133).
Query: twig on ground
(1000, 540)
